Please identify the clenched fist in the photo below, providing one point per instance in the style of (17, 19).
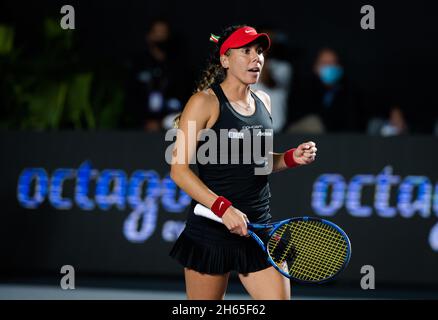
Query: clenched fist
(305, 153)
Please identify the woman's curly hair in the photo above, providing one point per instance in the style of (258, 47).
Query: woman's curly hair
(214, 72)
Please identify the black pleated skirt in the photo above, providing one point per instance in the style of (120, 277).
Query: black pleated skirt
(215, 250)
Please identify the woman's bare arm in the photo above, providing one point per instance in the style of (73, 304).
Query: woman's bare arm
(196, 116)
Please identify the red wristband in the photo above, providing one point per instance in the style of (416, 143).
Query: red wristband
(289, 158)
(220, 206)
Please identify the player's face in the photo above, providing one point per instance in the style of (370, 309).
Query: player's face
(246, 63)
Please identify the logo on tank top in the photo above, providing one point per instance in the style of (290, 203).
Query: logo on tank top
(264, 134)
(252, 145)
(255, 126)
(236, 135)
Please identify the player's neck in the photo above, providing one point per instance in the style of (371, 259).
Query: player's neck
(236, 90)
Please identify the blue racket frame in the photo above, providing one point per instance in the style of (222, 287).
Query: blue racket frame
(277, 225)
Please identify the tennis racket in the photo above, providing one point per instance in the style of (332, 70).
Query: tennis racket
(304, 249)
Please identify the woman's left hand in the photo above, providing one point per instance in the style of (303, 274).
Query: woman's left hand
(305, 153)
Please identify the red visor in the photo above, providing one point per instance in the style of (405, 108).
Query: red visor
(242, 37)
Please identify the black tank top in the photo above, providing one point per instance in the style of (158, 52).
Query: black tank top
(238, 183)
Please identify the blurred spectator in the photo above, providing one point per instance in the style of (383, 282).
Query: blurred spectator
(394, 125)
(158, 81)
(326, 102)
(276, 77)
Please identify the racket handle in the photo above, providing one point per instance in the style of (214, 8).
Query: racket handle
(202, 211)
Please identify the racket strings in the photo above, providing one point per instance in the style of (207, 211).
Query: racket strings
(312, 246)
(324, 264)
(312, 250)
(312, 259)
(315, 258)
(277, 239)
(319, 258)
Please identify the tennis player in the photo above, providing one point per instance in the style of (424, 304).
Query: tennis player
(208, 250)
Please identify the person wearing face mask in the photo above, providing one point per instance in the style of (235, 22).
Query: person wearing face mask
(328, 97)
(156, 86)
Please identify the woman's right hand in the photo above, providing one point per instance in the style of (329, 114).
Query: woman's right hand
(236, 221)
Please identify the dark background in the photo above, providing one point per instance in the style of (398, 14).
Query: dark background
(39, 241)
(395, 63)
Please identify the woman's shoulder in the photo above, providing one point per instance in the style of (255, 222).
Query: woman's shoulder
(203, 97)
(202, 101)
(266, 99)
(262, 95)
